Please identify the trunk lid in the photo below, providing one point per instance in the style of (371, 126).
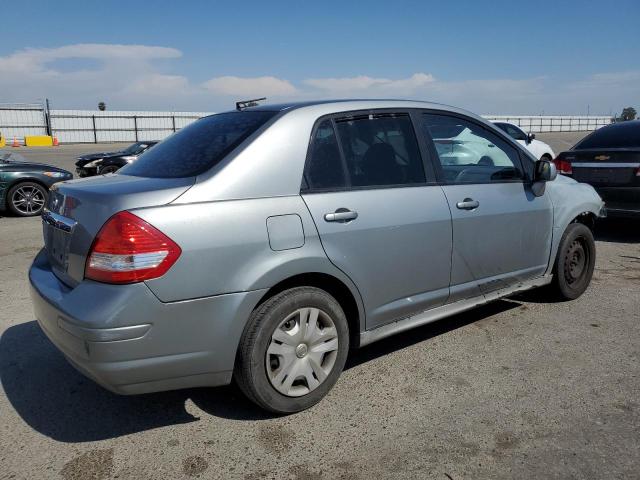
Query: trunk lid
(77, 209)
(605, 167)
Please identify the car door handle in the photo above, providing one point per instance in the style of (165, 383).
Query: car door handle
(340, 215)
(468, 204)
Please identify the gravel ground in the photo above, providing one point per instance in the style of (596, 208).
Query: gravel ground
(517, 389)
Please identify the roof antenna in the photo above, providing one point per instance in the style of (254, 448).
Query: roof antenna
(242, 104)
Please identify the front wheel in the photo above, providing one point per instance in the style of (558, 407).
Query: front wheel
(293, 350)
(27, 199)
(575, 262)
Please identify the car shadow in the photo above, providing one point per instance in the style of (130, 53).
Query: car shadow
(57, 401)
(618, 230)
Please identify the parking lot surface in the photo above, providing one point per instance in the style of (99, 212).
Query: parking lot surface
(520, 388)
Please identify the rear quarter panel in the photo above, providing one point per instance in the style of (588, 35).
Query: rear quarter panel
(226, 248)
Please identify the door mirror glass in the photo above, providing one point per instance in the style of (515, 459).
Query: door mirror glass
(531, 137)
(545, 171)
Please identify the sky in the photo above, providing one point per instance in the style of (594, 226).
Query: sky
(490, 57)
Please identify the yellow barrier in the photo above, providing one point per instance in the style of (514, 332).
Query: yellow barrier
(3, 142)
(38, 141)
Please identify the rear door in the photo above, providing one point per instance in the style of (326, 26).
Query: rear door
(381, 218)
(501, 230)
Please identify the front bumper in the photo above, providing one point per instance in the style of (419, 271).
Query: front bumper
(130, 342)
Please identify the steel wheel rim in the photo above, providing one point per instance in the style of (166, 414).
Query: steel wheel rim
(302, 352)
(576, 261)
(28, 200)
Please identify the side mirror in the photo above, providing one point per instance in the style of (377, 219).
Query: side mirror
(545, 171)
(531, 137)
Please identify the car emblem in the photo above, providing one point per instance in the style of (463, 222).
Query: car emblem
(602, 157)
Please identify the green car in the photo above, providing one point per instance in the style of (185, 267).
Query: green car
(24, 185)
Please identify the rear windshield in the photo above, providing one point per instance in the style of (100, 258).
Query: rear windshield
(623, 135)
(197, 147)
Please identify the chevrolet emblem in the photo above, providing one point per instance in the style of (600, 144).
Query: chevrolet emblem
(602, 157)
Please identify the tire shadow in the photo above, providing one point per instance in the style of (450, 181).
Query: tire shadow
(618, 230)
(57, 401)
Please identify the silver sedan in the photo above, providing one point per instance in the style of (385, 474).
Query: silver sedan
(262, 244)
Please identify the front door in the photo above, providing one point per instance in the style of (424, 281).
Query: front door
(379, 218)
(501, 230)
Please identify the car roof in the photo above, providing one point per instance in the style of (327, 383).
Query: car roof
(345, 105)
(630, 124)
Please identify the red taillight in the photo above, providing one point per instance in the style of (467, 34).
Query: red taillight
(128, 250)
(563, 166)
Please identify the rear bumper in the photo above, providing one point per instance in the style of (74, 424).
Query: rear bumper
(621, 201)
(130, 342)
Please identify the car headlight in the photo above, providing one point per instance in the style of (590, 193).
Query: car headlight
(92, 164)
(56, 174)
(129, 158)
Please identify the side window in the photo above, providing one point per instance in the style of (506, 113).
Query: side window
(468, 153)
(513, 132)
(381, 150)
(324, 169)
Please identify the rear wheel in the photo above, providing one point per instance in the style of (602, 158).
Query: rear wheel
(293, 350)
(575, 262)
(26, 199)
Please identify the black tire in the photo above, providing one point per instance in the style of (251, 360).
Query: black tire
(108, 169)
(575, 262)
(251, 363)
(27, 199)
(546, 157)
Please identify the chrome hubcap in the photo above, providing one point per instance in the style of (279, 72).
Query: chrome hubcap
(302, 352)
(28, 200)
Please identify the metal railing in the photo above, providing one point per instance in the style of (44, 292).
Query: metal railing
(555, 123)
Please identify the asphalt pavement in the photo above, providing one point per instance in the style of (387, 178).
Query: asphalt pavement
(520, 388)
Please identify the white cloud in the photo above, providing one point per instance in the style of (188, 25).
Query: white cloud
(250, 87)
(137, 77)
(363, 83)
(158, 84)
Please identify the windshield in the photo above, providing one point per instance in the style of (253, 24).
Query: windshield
(134, 149)
(620, 135)
(197, 147)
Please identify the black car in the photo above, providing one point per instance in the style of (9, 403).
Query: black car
(109, 162)
(609, 160)
(24, 186)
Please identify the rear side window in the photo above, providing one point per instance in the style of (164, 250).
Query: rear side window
(625, 135)
(380, 151)
(197, 147)
(324, 165)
